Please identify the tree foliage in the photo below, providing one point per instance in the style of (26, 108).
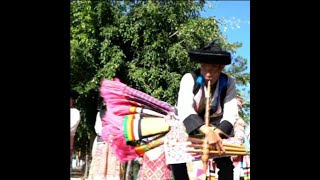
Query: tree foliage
(144, 43)
(238, 70)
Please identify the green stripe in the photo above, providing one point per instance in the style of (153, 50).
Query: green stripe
(125, 132)
(145, 148)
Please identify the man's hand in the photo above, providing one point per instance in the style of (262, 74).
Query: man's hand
(215, 140)
(213, 137)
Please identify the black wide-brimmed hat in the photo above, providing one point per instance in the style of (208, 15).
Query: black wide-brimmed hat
(211, 54)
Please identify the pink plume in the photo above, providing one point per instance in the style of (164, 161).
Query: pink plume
(116, 79)
(113, 125)
(119, 97)
(123, 151)
(112, 89)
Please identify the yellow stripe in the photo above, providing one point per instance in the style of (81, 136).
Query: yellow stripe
(132, 109)
(129, 127)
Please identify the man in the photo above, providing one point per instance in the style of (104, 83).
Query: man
(223, 108)
(74, 120)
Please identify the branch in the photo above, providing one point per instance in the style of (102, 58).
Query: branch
(173, 34)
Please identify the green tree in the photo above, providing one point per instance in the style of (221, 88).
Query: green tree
(238, 70)
(144, 43)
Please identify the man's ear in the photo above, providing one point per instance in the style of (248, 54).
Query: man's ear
(222, 66)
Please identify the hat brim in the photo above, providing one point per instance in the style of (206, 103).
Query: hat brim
(210, 58)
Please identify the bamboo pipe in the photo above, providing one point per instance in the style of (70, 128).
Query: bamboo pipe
(221, 153)
(205, 146)
(197, 140)
(211, 147)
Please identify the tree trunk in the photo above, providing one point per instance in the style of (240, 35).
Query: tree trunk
(86, 167)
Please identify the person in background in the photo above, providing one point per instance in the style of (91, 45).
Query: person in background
(238, 139)
(104, 164)
(74, 120)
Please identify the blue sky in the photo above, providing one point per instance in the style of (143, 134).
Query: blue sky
(236, 15)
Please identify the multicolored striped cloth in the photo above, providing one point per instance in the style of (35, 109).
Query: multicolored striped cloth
(245, 167)
(137, 127)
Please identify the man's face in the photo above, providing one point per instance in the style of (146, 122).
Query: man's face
(211, 72)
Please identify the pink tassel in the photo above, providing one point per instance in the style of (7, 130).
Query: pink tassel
(116, 79)
(113, 125)
(123, 152)
(109, 88)
(119, 98)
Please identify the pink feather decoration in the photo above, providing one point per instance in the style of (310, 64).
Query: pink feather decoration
(116, 79)
(113, 125)
(122, 110)
(119, 98)
(122, 151)
(113, 89)
(114, 129)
